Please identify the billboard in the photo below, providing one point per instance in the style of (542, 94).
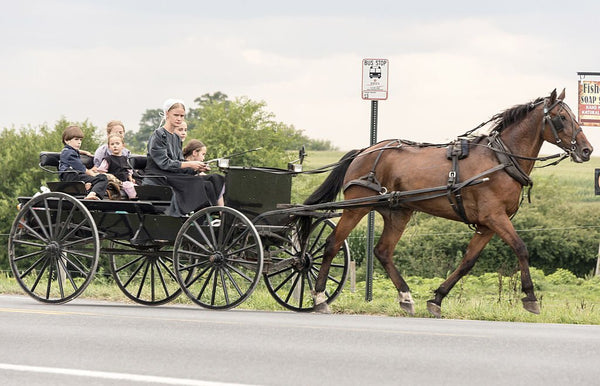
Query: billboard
(589, 103)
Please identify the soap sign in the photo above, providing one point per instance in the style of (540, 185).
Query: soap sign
(374, 79)
(589, 103)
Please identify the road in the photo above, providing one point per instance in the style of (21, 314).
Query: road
(102, 343)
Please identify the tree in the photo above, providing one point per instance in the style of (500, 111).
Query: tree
(137, 140)
(231, 127)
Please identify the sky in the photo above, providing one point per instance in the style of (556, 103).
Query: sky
(452, 65)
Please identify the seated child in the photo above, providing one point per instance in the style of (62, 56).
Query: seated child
(195, 150)
(113, 127)
(71, 168)
(181, 131)
(116, 164)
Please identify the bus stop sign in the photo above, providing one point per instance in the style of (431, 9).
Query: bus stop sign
(375, 79)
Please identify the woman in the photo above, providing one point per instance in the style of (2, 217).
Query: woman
(165, 165)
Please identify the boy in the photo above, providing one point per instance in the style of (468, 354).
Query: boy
(71, 168)
(116, 164)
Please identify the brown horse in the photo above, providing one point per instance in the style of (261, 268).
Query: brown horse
(486, 195)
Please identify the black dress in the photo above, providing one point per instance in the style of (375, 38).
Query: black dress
(163, 167)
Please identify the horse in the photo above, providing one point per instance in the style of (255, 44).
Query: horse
(481, 184)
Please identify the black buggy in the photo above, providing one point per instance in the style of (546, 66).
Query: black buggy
(216, 255)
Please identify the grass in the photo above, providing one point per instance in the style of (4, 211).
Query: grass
(563, 298)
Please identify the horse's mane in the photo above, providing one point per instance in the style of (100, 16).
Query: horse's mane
(513, 115)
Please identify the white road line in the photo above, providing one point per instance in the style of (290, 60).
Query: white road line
(117, 376)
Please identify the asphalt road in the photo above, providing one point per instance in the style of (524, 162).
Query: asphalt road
(101, 343)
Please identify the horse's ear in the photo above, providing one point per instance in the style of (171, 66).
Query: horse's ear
(562, 95)
(552, 96)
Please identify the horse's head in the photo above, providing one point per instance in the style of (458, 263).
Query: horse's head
(561, 128)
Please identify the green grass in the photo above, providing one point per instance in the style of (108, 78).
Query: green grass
(563, 298)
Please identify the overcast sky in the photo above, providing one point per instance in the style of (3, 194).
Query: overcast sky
(452, 64)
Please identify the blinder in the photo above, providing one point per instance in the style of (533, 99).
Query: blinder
(558, 124)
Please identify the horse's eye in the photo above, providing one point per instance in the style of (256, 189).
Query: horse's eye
(563, 117)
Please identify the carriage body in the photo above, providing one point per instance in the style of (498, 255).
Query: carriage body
(216, 255)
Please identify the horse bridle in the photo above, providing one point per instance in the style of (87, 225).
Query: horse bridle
(556, 124)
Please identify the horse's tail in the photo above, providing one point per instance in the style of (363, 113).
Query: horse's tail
(332, 185)
(327, 192)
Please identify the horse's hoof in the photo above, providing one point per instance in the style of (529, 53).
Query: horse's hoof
(322, 308)
(531, 306)
(408, 307)
(406, 302)
(434, 309)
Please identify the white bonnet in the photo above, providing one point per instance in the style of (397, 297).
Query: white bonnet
(170, 102)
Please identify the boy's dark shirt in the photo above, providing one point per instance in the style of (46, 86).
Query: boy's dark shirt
(70, 159)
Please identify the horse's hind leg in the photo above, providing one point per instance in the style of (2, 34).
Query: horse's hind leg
(394, 225)
(334, 242)
(477, 243)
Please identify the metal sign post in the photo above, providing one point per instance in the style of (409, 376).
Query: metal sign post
(374, 88)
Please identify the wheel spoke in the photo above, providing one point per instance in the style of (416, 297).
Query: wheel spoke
(234, 283)
(128, 264)
(40, 223)
(236, 270)
(291, 291)
(144, 275)
(225, 293)
(28, 255)
(162, 278)
(288, 278)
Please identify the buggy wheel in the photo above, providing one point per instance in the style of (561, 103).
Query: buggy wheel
(293, 268)
(218, 254)
(53, 247)
(144, 275)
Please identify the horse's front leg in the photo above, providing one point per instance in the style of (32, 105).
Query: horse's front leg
(509, 235)
(477, 243)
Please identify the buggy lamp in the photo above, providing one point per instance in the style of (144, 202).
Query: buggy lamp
(296, 168)
(223, 163)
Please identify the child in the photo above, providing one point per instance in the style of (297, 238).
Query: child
(195, 150)
(181, 131)
(113, 127)
(116, 164)
(71, 168)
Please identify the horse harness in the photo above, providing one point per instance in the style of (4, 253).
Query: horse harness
(459, 150)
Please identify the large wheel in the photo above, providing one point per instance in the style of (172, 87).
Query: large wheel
(218, 254)
(293, 268)
(53, 247)
(145, 274)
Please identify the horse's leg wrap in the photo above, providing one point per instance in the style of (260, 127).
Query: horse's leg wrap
(320, 301)
(406, 302)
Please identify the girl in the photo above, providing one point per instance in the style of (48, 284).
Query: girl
(113, 127)
(116, 164)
